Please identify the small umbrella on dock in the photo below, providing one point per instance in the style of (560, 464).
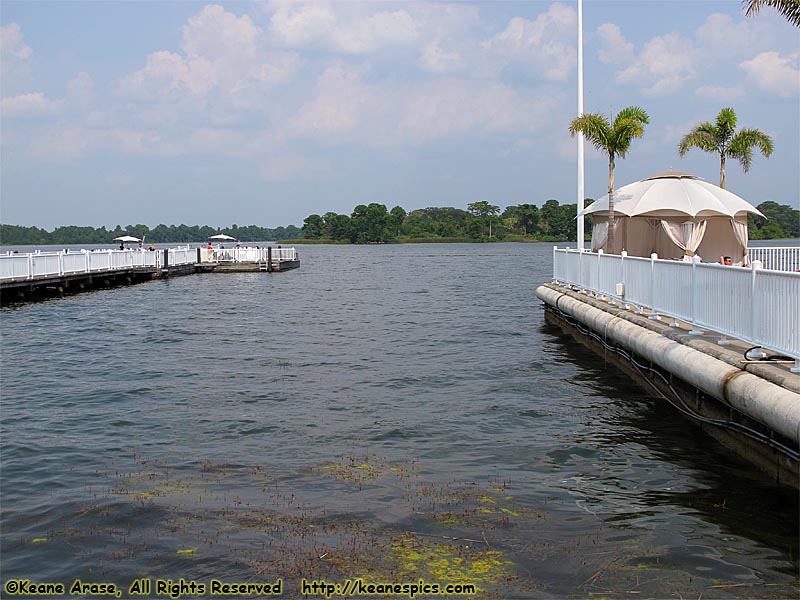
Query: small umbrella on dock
(126, 238)
(221, 236)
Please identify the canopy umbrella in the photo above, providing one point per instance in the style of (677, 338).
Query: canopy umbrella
(673, 194)
(221, 236)
(126, 238)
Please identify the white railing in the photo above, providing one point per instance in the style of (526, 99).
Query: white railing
(776, 259)
(759, 306)
(37, 265)
(248, 254)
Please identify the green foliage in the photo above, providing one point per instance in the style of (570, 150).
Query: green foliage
(161, 234)
(782, 221)
(721, 138)
(790, 9)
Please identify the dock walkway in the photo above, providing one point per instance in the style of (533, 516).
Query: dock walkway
(27, 276)
(655, 320)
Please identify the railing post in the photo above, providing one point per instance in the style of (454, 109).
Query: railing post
(654, 316)
(30, 266)
(754, 266)
(554, 263)
(695, 295)
(166, 258)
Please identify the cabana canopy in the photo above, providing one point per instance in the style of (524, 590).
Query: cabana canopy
(675, 215)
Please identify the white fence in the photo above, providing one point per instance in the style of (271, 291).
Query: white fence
(15, 266)
(776, 259)
(759, 306)
(248, 254)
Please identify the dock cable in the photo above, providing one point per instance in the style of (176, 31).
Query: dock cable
(682, 407)
(750, 355)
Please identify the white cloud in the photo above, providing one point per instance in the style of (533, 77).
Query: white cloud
(300, 25)
(614, 48)
(546, 42)
(720, 37)
(774, 73)
(216, 34)
(340, 100)
(15, 57)
(12, 42)
(437, 60)
(224, 57)
(719, 93)
(28, 105)
(664, 66)
(345, 108)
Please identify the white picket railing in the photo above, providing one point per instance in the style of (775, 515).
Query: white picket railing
(753, 304)
(248, 254)
(34, 265)
(776, 259)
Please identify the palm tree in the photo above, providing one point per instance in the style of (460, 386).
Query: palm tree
(723, 139)
(612, 139)
(788, 8)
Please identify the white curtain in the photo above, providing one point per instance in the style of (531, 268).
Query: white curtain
(740, 233)
(599, 234)
(687, 236)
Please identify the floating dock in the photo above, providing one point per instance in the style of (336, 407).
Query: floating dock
(750, 406)
(37, 275)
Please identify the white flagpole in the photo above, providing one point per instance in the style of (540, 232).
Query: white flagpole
(581, 194)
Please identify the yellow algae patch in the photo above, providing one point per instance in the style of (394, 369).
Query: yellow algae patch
(451, 564)
(187, 551)
(38, 540)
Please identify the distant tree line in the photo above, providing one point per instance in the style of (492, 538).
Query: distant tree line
(161, 234)
(482, 221)
(373, 223)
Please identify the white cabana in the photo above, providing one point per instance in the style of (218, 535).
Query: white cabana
(675, 215)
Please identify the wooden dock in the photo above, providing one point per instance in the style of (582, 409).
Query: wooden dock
(39, 275)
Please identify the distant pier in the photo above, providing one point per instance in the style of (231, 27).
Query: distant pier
(36, 275)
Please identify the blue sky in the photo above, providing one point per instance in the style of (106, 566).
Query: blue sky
(263, 113)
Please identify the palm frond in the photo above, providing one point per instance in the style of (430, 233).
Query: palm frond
(788, 8)
(743, 154)
(625, 130)
(595, 128)
(702, 137)
(634, 113)
(754, 138)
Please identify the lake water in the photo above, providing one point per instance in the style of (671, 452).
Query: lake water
(392, 412)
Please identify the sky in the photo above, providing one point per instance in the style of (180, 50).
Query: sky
(262, 113)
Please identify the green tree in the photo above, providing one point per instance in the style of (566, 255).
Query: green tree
(337, 227)
(397, 218)
(612, 139)
(312, 226)
(721, 138)
(485, 212)
(782, 221)
(525, 216)
(788, 8)
(370, 223)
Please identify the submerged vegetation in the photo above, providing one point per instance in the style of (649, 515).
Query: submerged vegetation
(332, 521)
